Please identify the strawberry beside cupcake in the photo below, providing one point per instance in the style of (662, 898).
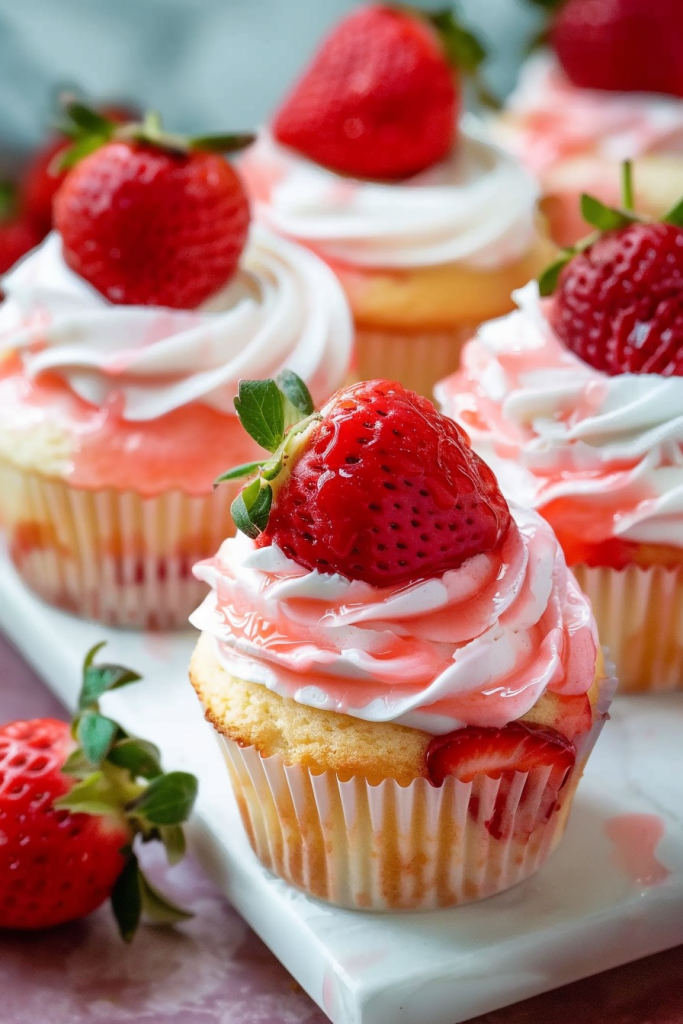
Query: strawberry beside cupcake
(122, 339)
(608, 88)
(427, 225)
(576, 400)
(404, 675)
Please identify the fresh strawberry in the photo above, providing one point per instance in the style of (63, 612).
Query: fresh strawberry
(621, 45)
(381, 97)
(380, 487)
(70, 809)
(618, 301)
(153, 219)
(41, 178)
(499, 753)
(17, 232)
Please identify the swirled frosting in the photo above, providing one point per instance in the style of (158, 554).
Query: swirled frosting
(477, 207)
(562, 435)
(283, 308)
(549, 119)
(476, 646)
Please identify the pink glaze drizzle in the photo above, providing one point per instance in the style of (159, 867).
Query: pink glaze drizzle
(636, 838)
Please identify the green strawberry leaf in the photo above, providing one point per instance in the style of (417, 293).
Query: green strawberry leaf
(167, 800)
(604, 218)
(156, 906)
(246, 469)
(260, 409)
(675, 215)
(99, 679)
(251, 508)
(96, 734)
(230, 143)
(77, 765)
(295, 390)
(138, 757)
(69, 157)
(462, 47)
(272, 468)
(87, 120)
(94, 795)
(173, 838)
(547, 282)
(126, 899)
(8, 200)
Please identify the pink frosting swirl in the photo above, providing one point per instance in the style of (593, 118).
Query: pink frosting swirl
(476, 646)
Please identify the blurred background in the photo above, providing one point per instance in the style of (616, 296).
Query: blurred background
(205, 64)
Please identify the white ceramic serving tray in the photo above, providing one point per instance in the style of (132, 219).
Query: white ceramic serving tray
(601, 900)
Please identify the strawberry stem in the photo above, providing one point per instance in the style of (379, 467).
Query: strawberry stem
(627, 185)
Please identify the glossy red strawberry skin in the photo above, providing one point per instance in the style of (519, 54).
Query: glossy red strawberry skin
(621, 45)
(39, 183)
(470, 753)
(55, 866)
(387, 490)
(379, 99)
(18, 236)
(619, 304)
(146, 226)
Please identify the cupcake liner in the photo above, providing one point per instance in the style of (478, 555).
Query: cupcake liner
(639, 612)
(391, 847)
(112, 556)
(418, 360)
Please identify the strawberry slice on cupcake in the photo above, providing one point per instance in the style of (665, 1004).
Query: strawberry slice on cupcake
(385, 618)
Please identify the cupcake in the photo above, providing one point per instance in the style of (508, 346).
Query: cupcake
(122, 339)
(427, 224)
(403, 674)
(609, 88)
(575, 400)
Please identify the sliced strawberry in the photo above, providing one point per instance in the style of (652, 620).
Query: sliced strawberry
(470, 753)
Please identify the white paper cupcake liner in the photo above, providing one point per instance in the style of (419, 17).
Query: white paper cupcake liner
(639, 612)
(111, 556)
(418, 360)
(392, 847)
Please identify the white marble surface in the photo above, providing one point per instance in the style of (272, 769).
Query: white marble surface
(586, 911)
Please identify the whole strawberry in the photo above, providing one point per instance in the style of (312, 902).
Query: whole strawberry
(618, 296)
(18, 234)
(379, 487)
(621, 45)
(381, 98)
(72, 800)
(149, 218)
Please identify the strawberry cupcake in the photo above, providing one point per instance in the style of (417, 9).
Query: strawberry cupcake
(427, 225)
(403, 674)
(575, 400)
(609, 88)
(122, 339)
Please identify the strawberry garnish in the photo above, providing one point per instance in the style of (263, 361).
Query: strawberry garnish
(18, 234)
(500, 753)
(379, 487)
(621, 45)
(150, 218)
(72, 800)
(618, 301)
(381, 97)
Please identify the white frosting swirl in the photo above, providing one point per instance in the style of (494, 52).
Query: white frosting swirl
(477, 207)
(552, 426)
(476, 646)
(551, 119)
(284, 307)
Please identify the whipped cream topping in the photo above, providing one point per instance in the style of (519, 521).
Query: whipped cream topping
(284, 307)
(553, 119)
(477, 207)
(553, 427)
(476, 646)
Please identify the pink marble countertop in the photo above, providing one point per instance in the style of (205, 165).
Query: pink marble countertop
(214, 970)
